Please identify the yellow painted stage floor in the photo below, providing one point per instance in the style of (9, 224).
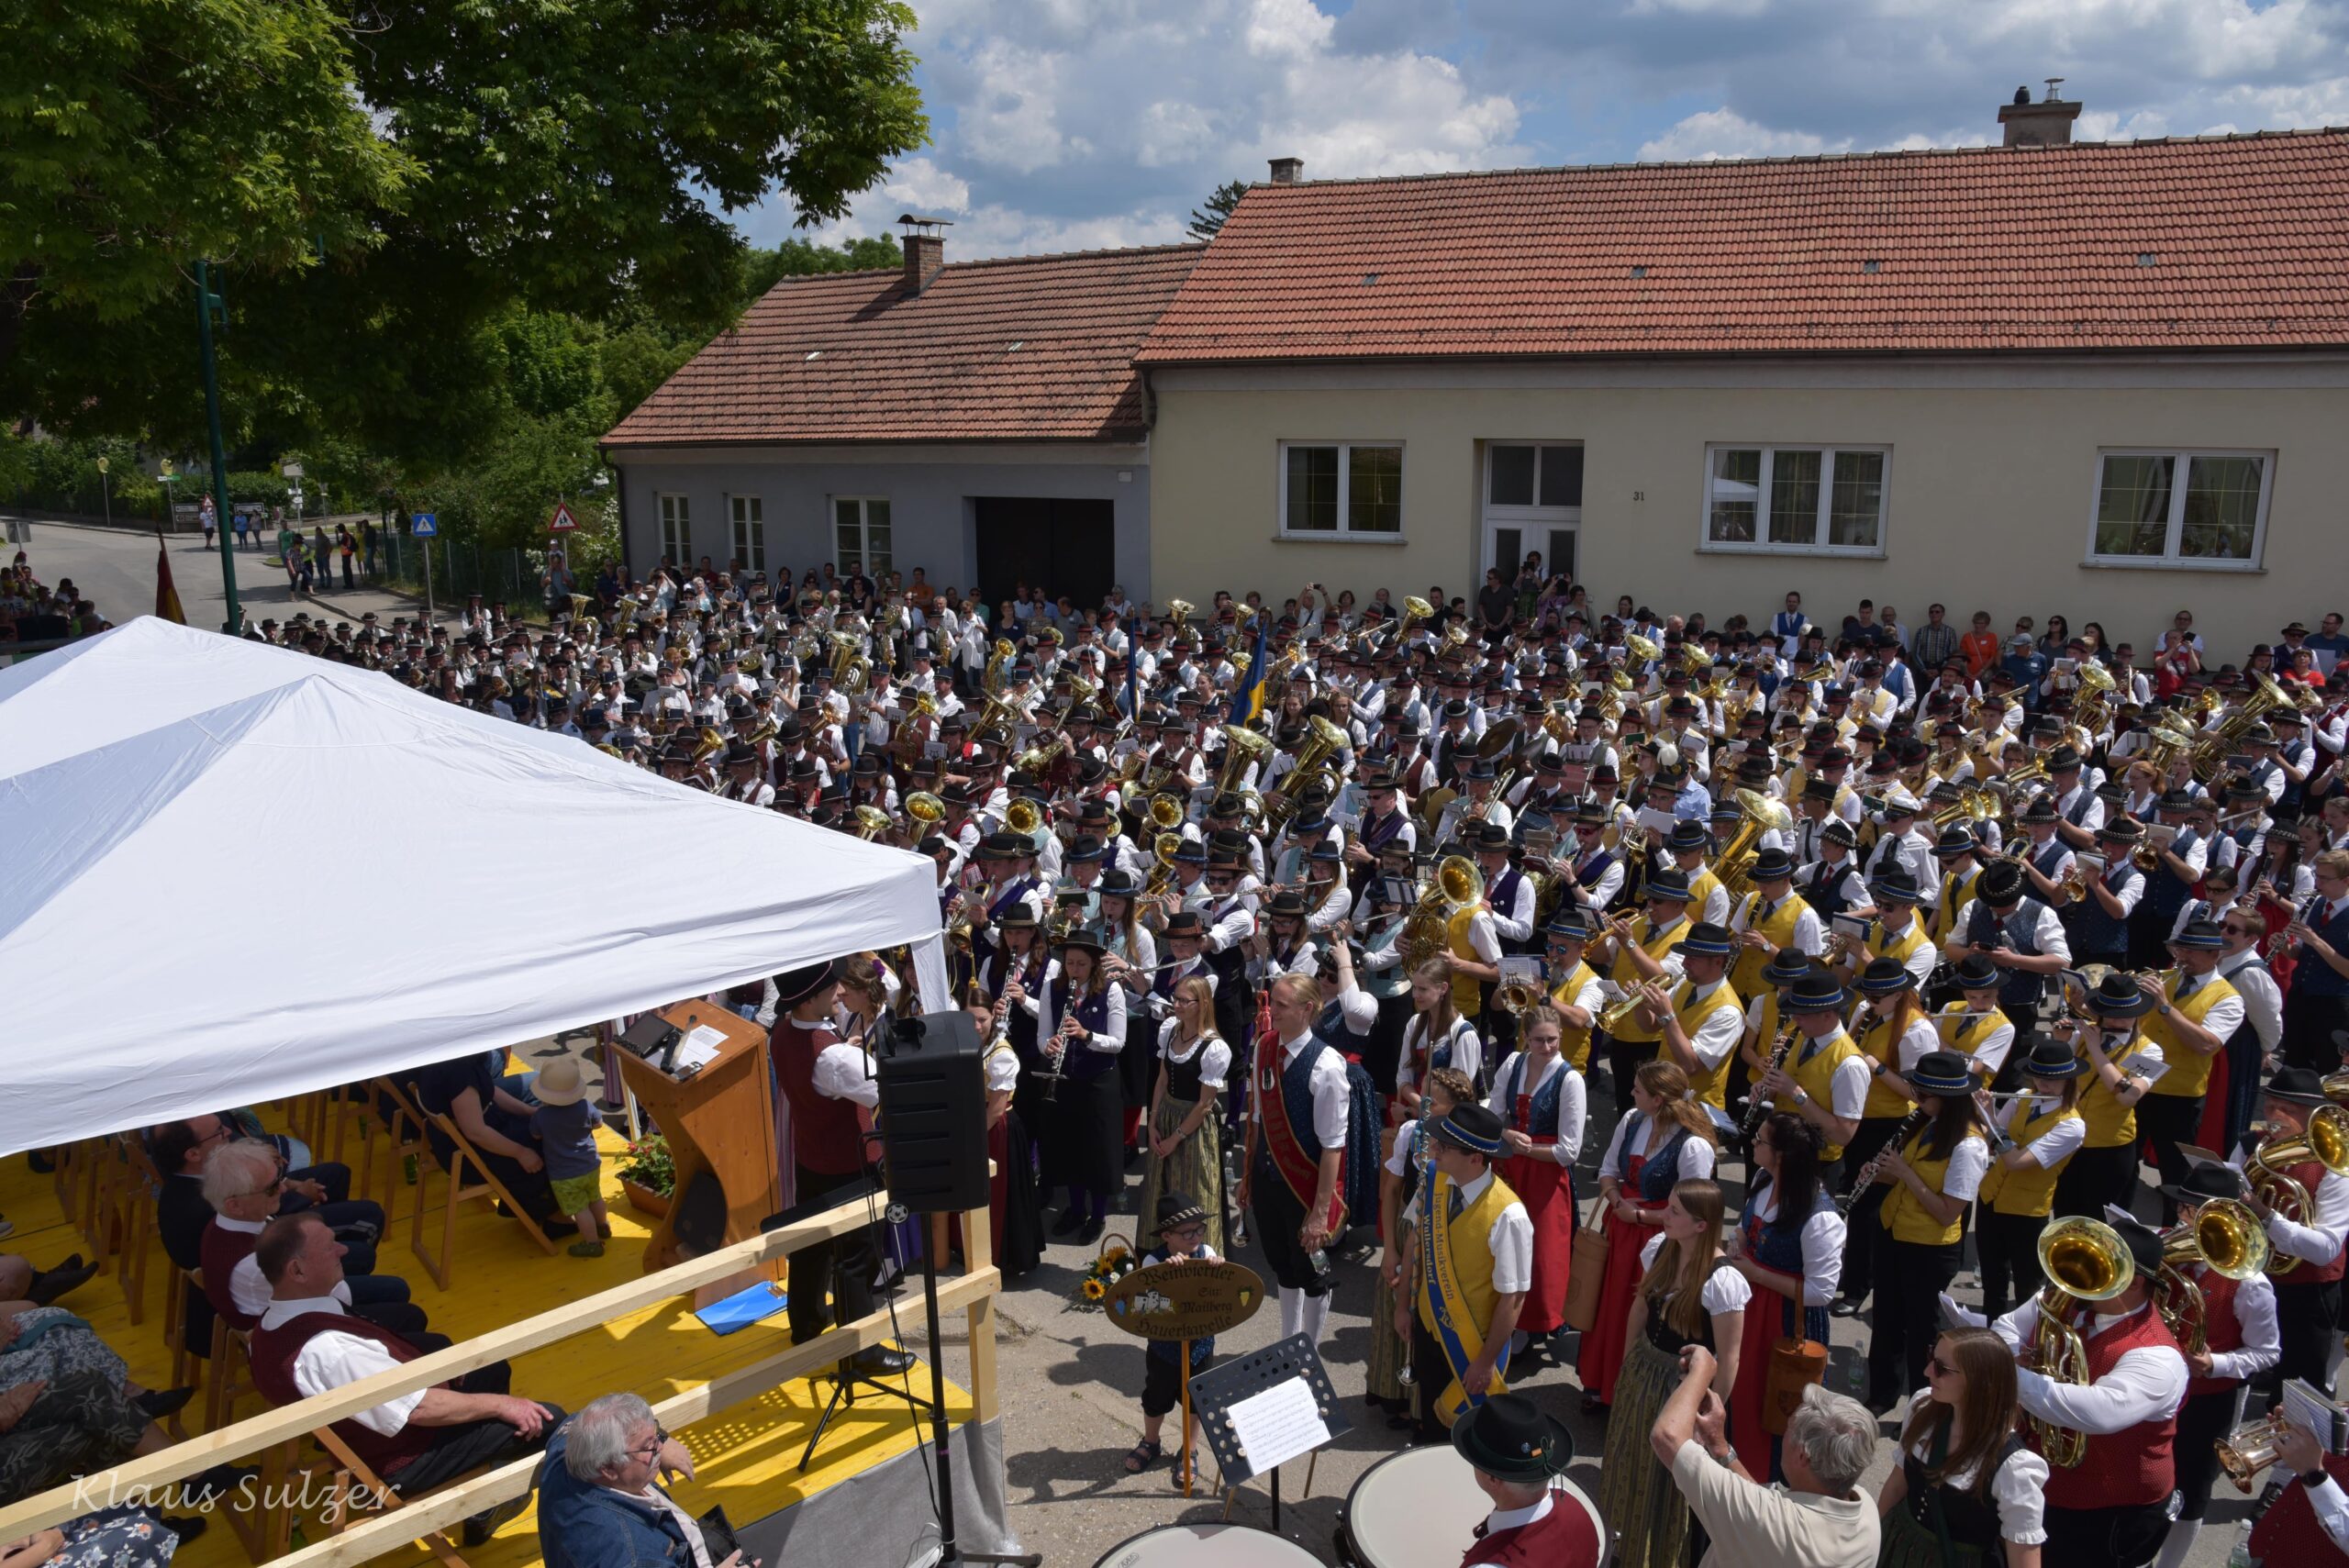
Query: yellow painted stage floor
(746, 1456)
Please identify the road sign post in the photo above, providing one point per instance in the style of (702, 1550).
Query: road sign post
(426, 525)
(207, 302)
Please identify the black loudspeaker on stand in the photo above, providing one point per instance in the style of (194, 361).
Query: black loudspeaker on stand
(934, 1151)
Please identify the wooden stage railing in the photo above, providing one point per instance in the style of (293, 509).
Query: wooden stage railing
(378, 1533)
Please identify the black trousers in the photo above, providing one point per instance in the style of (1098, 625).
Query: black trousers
(2096, 1177)
(1860, 1238)
(2166, 1121)
(1431, 1373)
(2009, 1246)
(1275, 1217)
(1624, 1060)
(2308, 1325)
(2202, 1420)
(845, 1265)
(1909, 1279)
(2126, 1537)
(2310, 1023)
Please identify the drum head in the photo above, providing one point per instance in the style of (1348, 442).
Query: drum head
(1416, 1507)
(1207, 1546)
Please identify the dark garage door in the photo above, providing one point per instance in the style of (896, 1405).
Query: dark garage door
(1067, 547)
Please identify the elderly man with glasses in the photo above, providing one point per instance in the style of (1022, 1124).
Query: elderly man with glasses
(601, 1502)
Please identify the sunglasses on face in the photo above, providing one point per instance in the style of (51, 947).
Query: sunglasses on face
(1936, 1367)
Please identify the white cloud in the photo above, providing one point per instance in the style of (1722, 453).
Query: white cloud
(1724, 133)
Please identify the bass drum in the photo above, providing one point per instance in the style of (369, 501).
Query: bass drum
(1422, 1506)
(1207, 1546)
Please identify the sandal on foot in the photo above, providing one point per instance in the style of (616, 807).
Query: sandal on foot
(585, 1249)
(1143, 1454)
(1175, 1471)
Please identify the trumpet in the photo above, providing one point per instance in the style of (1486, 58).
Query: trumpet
(1619, 1013)
(2085, 1261)
(1760, 1108)
(1901, 1136)
(2251, 1449)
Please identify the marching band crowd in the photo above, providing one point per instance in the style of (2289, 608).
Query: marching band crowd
(1360, 926)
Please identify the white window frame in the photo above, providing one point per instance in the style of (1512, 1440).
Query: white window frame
(1532, 520)
(864, 534)
(747, 516)
(676, 508)
(2169, 560)
(1342, 533)
(1760, 544)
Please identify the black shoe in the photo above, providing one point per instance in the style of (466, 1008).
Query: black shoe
(1092, 1231)
(1846, 1308)
(482, 1526)
(187, 1527)
(1070, 1223)
(880, 1360)
(68, 1276)
(209, 1487)
(160, 1402)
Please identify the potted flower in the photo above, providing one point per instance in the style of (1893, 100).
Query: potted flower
(648, 1176)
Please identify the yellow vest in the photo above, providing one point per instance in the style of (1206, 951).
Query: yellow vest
(1573, 1044)
(1778, 929)
(1879, 1043)
(1710, 1085)
(1657, 945)
(1904, 1216)
(1815, 1078)
(2189, 1070)
(1958, 892)
(2108, 1121)
(1472, 1256)
(1883, 944)
(2028, 1190)
(1702, 884)
(1468, 997)
(1965, 1039)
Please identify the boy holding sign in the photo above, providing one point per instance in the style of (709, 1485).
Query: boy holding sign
(1182, 1238)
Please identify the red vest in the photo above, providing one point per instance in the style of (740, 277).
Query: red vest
(825, 1135)
(223, 1249)
(2221, 1329)
(2288, 1533)
(2128, 1467)
(2307, 1174)
(274, 1351)
(1565, 1536)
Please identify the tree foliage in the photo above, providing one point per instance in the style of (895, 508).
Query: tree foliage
(1207, 221)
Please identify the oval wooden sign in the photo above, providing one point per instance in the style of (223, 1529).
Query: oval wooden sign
(1184, 1300)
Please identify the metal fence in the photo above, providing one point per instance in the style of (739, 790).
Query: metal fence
(458, 570)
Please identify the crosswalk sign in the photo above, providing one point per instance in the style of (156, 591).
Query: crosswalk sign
(563, 522)
(424, 524)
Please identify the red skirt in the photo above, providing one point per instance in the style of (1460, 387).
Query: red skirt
(1549, 1199)
(1601, 1360)
(1765, 1325)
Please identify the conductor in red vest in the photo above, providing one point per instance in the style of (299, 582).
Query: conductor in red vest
(1296, 1152)
(1516, 1450)
(2113, 1507)
(308, 1343)
(829, 1092)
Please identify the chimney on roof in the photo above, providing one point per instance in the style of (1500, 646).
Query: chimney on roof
(925, 249)
(1288, 171)
(2047, 123)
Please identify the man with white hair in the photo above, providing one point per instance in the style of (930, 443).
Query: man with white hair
(244, 1182)
(601, 1504)
(1821, 1520)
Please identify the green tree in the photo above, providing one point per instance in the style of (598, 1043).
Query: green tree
(761, 269)
(381, 185)
(1206, 222)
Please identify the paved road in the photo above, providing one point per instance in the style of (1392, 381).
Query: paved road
(116, 570)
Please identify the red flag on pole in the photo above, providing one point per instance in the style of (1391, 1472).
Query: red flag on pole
(167, 597)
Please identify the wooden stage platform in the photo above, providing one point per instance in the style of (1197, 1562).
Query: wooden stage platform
(746, 1455)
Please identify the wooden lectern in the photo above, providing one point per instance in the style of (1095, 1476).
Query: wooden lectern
(720, 1120)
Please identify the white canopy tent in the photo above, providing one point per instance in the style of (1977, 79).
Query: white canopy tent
(236, 873)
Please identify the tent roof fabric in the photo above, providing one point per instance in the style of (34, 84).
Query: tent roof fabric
(239, 872)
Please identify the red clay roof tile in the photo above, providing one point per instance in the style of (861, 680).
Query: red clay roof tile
(1031, 349)
(2244, 241)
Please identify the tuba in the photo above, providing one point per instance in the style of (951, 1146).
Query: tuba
(2326, 1141)
(1323, 740)
(1757, 813)
(925, 808)
(1241, 747)
(1458, 885)
(1023, 816)
(2085, 1261)
(871, 822)
(2227, 1238)
(851, 671)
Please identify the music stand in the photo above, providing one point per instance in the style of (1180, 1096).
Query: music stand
(1214, 1391)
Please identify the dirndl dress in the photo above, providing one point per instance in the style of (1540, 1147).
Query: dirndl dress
(1636, 1494)
(1195, 1169)
(1599, 1362)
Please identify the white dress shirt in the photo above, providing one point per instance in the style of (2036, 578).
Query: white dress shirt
(2331, 1506)
(1332, 1093)
(843, 1072)
(2254, 1308)
(1574, 1105)
(2058, 1143)
(331, 1358)
(1718, 1035)
(2318, 1241)
(2147, 1384)
(2263, 999)
(1809, 936)
(1108, 1040)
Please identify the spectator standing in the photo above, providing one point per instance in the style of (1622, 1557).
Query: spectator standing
(1935, 643)
(347, 548)
(565, 1125)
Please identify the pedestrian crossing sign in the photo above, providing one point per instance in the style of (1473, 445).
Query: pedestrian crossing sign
(563, 522)
(424, 524)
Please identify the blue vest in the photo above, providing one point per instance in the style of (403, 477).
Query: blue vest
(2020, 932)
(1543, 1122)
(1083, 1062)
(1660, 1174)
(2314, 977)
(1824, 890)
(1503, 894)
(1019, 1024)
(1012, 894)
(2098, 932)
(1779, 1245)
(1297, 1095)
(2165, 894)
(1330, 1024)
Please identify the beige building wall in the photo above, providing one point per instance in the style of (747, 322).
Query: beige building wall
(1990, 492)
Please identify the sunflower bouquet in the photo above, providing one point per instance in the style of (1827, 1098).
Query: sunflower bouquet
(1114, 1262)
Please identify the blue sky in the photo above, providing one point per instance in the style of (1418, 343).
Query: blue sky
(1074, 124)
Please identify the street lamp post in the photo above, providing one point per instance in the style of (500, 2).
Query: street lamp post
(207, 302)
(105, 496)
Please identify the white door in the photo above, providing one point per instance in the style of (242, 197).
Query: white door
(1532, 503)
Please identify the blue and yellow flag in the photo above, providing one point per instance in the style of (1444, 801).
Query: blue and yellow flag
(1248, 697)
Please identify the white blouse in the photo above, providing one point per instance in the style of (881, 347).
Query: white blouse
(1726, 1290)
(1467, 1051)
(1696, 1157)
(1573, 1107)
(2018, 1488)
(1215, 1067)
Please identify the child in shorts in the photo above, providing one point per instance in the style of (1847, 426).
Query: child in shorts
(565, 1125)
(1181, 1236)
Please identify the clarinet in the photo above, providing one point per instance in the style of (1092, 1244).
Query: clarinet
(1760, 1108)
(1866, 1178)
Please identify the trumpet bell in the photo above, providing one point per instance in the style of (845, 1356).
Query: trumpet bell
(1023, 818)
